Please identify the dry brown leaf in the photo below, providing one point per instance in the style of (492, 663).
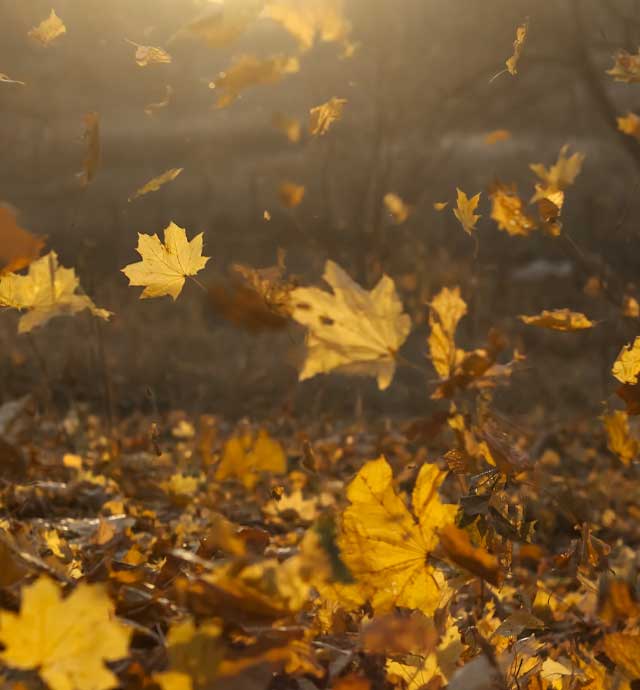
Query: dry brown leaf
(91, 137)
(397, 207)
(626, 368)
(151, 108)
(619, 439)
(154, 184)
(289, 126)
(626, 67)
(48, 30)
(465, 211)
(18, 247)
(291, 194)
(496, 136)
(558, 320)
(462, 552)
(322, 116)
(507, 209)
(518, 45)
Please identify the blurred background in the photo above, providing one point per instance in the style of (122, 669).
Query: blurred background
(422, 95)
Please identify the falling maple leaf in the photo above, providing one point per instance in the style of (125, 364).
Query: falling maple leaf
(496, 136)
(397, 208)
(291, 194)
(289, 126)
(7, 80)
(150, 55)
(518, 45)
(446, 310)
(91, 137)
(464, 211)
(558, 320)
(626, 67)
(246, 456)
(47, 291)
(151, 108)
(386, 547)
(630, 124)
(558, 177)
(66, 640)
(322, 116)
(249, 70)
(626, 368)
(164, 267)
(352, 329)
(48, 30)
(154, 184)
(18, 247)
(507, 209)
(619, 439)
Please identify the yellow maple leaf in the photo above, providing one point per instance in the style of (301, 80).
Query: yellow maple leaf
(164, 267)
(464, 211)
(507, 209)
(249, 70)
(518, 45)
(322, 116)
(48, 30)
(246, 456)
(291, 194)
(48, 290)
(630, 124)
(397, 207)
(619, 438)
(626, 368)
(154, 184)
(351, 329)
(447, 308)
(559, 176)
(626, 67)
(150, 55)
(386, 547)
(66, 640)
(558, 320)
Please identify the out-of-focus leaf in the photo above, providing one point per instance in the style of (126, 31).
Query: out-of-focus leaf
(624, 650)
(289, 126)
(619, 439)
(7, 80)
(351, 329)
(154, 184)
(246, 456)
(249, 70)
(397, 207)
(440, 205)
(164, 267)
(626, 368)
(630, 124)
(322, 116)
(465, 211)
(496, 136)
(151, 108)
(49, 29)
(18, 247)
(291, 194)
(462, 552)
(222, 23)
(150, 55)
(507, 209)
(518, 45)
(561, 175)
(447, 308)
(91, 137)
(626, 67)
(558, 320)
(48, 290)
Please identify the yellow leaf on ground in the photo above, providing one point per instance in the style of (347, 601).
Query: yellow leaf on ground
(386, 547)
(518, 45)
(624, 650)
(164, 267)
(246, 456)
(66, 640)
(48, 290)
(48, 30)
(464, 211)
(291, 194)
(630, 124)
(150, 55)
(619, 439)
(18, 247)
(351, 329)
(507, 209)
(626, 67)
(322, 116)
(397, 207)
(496, 136)
(626, 368)
(91, 137)
(249, 70)
(157, 182)
(558, 320)
(289, 126)
(447, 308)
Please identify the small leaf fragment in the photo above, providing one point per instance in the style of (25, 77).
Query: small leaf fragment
(518, 45)
(322, 116)
(558, 320)
(626, 368)
(464, 211)
(154, 184)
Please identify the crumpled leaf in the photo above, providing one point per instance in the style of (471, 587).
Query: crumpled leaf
(246, 456)
(507, 209)
(289, 126)
(558, 320)
(630, 124)
(249, 70)
(322, 116)
(164, 267)
(626, 67)
(558, 177)
(518, 45)
(18, 247)
(626, 368)
(619, 439)
(291, 194)
(386, 547)
(7, 80)
(48, 290)
(48, 30)
(150, 55)
(91, 137)
(154, 184)
(397, 207)
(66, 640)
(464, 211)
(351, 329)
(151, 108)
(446, 310)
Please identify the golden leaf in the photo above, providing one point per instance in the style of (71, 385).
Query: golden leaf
(462, 552)
(289, 126)
(518, 45)
(66, 640)
(291, 194)
(619, 439)
(558, 177)
(440, 205)
(164, 267)
(18, 247)
(507, 209)
(48, 290)
(626, 368)
(386, 547)
(464, 211)
(48, 30)
(397, 207)
(150, 108)
(157, 182)
(7, 80)
(351, 329)
(149, 55)
(249, 70)
(624, 650)
(496, 136)
(626, 67)
(558, 320)
(630, 124)
(222, 24)
(322, 116)
(91, 136)
(447, 308)
(245, 457)
(307, 20)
